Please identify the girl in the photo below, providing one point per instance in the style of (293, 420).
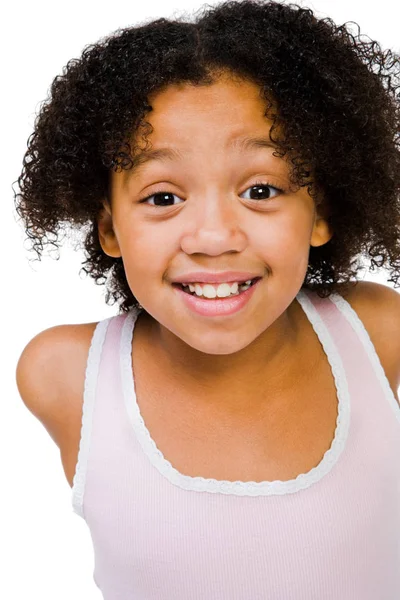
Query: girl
(234, 431)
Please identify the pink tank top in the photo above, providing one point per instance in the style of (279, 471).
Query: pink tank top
(332, 533)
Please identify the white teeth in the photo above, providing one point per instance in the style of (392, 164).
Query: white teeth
(223, 290)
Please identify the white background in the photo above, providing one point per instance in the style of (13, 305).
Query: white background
(46, 548)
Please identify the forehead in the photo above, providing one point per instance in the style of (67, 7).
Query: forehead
(223, 108)
(226, 116)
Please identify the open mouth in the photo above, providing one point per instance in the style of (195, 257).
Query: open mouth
(242, 287)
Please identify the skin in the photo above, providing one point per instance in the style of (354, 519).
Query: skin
(211, 223)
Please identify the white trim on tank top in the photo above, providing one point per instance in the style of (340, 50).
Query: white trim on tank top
(242, 488)
(350, 314)
(89, 396)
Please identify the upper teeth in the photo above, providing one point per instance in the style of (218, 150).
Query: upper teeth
(210, 291)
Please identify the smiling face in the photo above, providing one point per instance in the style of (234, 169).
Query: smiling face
(224, 206)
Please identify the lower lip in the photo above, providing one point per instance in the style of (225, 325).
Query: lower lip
(219, 307)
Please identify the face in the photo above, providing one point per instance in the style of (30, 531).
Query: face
(211, 216)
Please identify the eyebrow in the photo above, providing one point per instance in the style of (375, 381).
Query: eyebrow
(244, 144)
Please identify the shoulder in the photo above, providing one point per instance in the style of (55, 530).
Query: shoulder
(50, 376)
(378, 307)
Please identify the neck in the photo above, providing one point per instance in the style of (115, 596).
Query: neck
(268, 366)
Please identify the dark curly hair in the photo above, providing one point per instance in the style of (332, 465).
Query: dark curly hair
(337, 120)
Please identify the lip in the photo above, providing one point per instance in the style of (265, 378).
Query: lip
(207, 277)
(219, 307)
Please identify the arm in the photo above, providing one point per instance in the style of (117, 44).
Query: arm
(39, 375)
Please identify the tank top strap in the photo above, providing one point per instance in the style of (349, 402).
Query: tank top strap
(101, 395)
(352, 345)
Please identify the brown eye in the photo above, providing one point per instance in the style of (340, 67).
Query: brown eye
(260, 191)
(160, 199)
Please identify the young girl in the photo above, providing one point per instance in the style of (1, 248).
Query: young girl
(234, 431)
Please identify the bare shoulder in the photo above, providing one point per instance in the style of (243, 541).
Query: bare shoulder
(50, 378)
(378, 307)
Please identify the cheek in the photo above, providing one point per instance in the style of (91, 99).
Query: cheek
(284, 239)
(136, 239)
(283, 244)
(295, 249)
(145, 256)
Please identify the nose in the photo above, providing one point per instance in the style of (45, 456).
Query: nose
(215, 226)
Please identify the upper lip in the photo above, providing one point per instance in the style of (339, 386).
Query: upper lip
(207, 277)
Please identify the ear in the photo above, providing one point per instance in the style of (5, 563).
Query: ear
(322, 231)
(107, 237)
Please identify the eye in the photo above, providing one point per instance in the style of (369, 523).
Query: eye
(259, 186)
(161, 197)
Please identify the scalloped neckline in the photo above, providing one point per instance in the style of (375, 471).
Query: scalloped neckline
(241, 488)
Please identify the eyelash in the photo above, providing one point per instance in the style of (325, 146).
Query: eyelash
(257, 183)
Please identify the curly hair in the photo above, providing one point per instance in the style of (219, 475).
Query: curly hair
(337, 120)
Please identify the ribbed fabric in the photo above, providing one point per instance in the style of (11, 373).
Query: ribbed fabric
(332, 533)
